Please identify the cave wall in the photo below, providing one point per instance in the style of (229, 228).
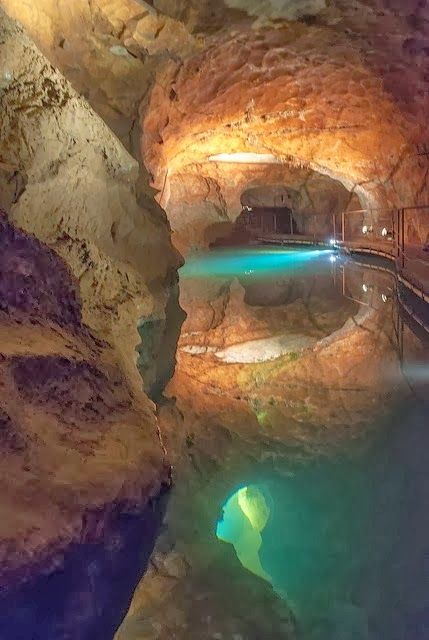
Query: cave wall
(197, 210)
(118, 45)
(66, 178)
(317, 84)
(302, 93)
(78, 445)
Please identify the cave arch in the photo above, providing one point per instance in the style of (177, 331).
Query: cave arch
(304, 96)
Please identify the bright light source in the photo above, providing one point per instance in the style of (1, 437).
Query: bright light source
(386, 233)
(365, 288)
(366, 229)
(384, 297)
(333, 258)
(249, 158)
(332, 242)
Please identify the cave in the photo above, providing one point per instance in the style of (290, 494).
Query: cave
(214, 320)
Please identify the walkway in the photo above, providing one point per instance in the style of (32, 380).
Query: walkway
(414, 270)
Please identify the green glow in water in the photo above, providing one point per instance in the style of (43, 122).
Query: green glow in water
(245, 515)
(306, 534)
(254, 262)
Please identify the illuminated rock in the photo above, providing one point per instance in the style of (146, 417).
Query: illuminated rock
(79, 192)
(74, 452)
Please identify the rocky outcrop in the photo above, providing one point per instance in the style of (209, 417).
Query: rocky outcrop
(78, 445)
(118, 44)
(78, 190)
(197, 210)
(318, 93)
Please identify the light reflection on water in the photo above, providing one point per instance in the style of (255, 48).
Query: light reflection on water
(256, 262)
(344, 540)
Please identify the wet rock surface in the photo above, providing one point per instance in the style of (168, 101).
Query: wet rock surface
(79, 451)
(228, 424)
(195, 587)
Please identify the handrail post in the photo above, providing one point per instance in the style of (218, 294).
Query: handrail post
(343, 235)
(397, 231)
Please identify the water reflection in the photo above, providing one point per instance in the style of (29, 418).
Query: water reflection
(346, 540)
(343, 537)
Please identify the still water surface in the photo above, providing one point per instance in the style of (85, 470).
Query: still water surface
(343, 538)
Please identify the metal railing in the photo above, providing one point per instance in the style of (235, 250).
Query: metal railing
(413, 238)
(400, 234)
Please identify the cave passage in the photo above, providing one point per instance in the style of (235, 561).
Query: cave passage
(206, 432)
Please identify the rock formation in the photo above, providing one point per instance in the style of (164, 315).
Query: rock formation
(131, 130)
(68, 180)
(78, 444)
(315, 84)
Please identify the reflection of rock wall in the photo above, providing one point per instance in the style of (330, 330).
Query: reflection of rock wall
(77, 444)
(221, 313)
(189, 565)
(315, 395)
(77, 190)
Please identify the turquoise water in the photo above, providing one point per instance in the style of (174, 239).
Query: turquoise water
(257, 262)
(344, 538)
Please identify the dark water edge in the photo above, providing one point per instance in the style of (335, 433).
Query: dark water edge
(89, 597)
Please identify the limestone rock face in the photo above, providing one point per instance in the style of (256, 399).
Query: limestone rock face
(78, 190)
(77, 443)
(321, 93)
(113, 43)
(313, 83)
(197, 210)
(296, 93)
